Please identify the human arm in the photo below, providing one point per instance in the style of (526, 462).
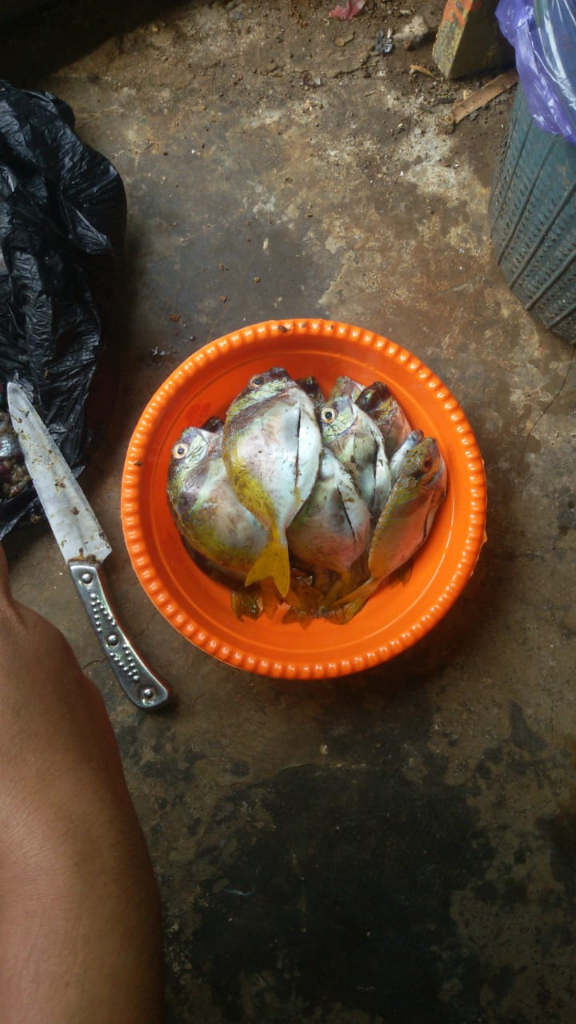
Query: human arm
(80, 927)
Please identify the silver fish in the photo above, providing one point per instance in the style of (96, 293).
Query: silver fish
(378, 401)
(332, 528)
(206, 511)
(271, 449)
(405, 522)
(357, 443)
(312, 388)
(213, 424)
(397, 459)
(344, 385)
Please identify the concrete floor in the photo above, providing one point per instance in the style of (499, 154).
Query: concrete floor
(397, 847)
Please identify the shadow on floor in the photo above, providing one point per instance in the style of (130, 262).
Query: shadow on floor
(60, 33)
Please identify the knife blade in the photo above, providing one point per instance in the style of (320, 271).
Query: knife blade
(84, 546)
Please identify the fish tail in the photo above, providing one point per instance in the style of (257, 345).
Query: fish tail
(246, 604)
(304, 619)
(272, 562)
(348, 606)
(270, 597)
(338, 588)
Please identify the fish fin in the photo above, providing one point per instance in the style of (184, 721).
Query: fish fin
(247, 604)
(270, 598)
(341, 616)
(351, 604)
(272, 562)
(304, 619)
(339, 587)
(323, 579)
(402, 574)
(304, 597)
(346, 612)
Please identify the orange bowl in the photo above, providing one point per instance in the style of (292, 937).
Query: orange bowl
(199, 608)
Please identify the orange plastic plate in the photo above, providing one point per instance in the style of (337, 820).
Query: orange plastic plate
(396, 616)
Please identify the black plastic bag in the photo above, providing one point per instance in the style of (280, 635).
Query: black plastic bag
(11, 10)
(62, 224)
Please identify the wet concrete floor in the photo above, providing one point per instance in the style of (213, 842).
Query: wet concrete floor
(395, 847)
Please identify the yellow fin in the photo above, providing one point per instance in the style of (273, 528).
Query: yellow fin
(273, 562)
(345, 608)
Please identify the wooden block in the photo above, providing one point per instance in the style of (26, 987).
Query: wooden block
(469, 39)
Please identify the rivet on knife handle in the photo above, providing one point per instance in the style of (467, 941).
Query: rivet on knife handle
(137, 680)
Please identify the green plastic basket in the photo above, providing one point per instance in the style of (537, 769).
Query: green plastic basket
(533, 220)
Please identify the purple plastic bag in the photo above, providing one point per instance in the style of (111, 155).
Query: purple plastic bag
(543, 34)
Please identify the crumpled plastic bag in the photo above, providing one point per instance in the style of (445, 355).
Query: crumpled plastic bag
(543, 34)
(62, 225)
(11, 10)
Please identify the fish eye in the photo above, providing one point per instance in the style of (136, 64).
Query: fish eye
(327, 415)
(180, 450)
(427, 462)
(257, 381)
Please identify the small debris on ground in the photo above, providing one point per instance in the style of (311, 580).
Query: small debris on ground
(351, 8)
(384, 43)
(415, 33)
(419, 69)
(344, 40)
(174, 317)
(482, 96)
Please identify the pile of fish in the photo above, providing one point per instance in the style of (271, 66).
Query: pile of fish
(306, 501)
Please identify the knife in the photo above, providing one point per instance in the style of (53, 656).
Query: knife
(84, 547)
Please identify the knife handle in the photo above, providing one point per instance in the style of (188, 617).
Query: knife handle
(137, 680)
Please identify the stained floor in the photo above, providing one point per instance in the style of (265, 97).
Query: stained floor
(396, 847)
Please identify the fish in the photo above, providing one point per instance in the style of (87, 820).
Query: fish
(397, 459)
(205, 509)
(378, 401)
(213, 424)
(312, 388)
(405, 522)
(258, 598)
(356, 442)
(271, 449)
(344, 385)
(332, 528)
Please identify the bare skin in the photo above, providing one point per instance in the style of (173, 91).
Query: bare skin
(80, 927)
